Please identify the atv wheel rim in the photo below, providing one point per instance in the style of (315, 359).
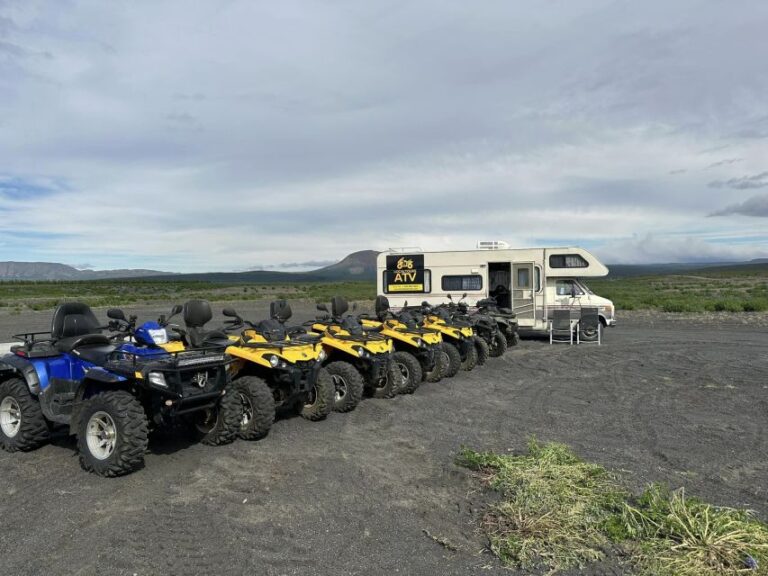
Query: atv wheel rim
(10, 416)
(340, 385)
(101, 435)
(405, 374)
(312, 397)
(247, 410)
(207, 421)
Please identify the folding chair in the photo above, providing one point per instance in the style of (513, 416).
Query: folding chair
(590, 330)
(560, 325)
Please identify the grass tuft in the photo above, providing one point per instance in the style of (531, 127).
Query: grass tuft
(679, 536)
(558, 512)
(555, 507)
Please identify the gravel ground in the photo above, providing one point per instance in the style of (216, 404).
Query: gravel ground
(684, 402)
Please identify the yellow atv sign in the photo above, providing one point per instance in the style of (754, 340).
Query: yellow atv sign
(405, 274)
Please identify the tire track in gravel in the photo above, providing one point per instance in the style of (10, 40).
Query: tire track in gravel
(353, 494)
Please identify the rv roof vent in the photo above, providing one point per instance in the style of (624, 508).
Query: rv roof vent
(405, 250)
(492, 245)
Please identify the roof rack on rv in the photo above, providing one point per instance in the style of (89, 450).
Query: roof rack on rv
(492, 245)
(405, 250)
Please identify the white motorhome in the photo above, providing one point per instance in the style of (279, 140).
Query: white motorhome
(531, 281)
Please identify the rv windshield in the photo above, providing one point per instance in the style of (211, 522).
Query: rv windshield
(585, 287)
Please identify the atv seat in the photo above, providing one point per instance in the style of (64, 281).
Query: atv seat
(74, 324)
(98, 355)
(197, 313)
(280, 310)
(381, 306)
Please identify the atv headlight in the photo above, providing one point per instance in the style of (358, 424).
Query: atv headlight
(422, 344)
(158, 379)
(322, 356)
(274, 361)
(362, 352)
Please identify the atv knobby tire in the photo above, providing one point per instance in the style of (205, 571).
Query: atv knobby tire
(512, 339)
(389, 386)
(498, 345)
(21, 416)
(348, 385)
(258, 406)
(321, 398)
(442, 362)
(219, 425)
(483, 351)
(454, 359)
(112, 433)
(470, 360)
(410, 371)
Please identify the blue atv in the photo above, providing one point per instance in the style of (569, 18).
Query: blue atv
(110, 392)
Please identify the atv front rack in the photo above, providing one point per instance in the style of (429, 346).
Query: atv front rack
(162, 360)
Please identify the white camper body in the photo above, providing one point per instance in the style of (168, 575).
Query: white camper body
(531, 281)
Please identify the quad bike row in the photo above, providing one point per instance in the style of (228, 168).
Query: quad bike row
(112, 385)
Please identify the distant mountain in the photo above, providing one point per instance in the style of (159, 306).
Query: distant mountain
(55, 271)
(357, 266)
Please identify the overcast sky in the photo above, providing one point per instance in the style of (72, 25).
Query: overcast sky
(229, 135)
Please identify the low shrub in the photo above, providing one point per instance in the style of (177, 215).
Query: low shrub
(558, 512)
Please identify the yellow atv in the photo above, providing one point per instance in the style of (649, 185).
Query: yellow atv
(270, 371)
(418, 352)
(458, 336)
(359, 359)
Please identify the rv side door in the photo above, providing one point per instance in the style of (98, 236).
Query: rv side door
(523, 291)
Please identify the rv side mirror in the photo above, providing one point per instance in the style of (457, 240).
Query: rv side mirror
(322, 307)
(116, 314)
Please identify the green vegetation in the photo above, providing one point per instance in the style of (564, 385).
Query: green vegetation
(553, 506)
(729, 290)
(45, 295)
(675, 535)
(558, 512)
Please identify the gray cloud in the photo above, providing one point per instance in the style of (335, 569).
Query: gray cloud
(308, 138)
(743, 183)
(725, 162)
(756, 206)
(308, 264)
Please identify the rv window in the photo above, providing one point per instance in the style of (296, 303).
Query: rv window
(459, 283)
(564, 287)
(523, 278)
(567, 261)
